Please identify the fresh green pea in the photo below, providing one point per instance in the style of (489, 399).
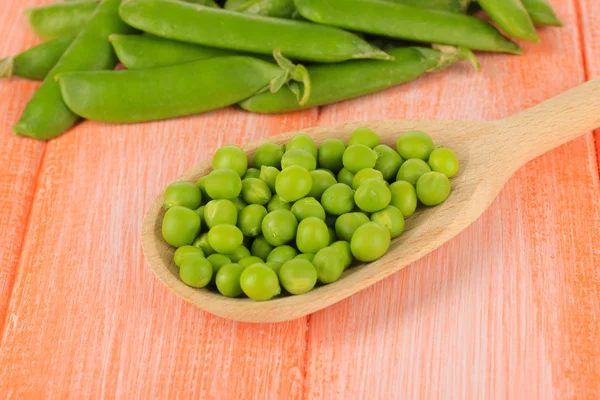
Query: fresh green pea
(541, 13)
(239, 204)
(512, 17)
(282, 254)
(338, 199)
(231, 157)
(279, 227)
(347, 224)
(298, 276)
(372, 195)
(365, 136)
(415, 144)
(255, 191)
(444, 160)
(300, 158)
(248, 261)
(180, 226)
(228, 280)
(260, 282)
(305, 256)
(412, 170)
(223, 183)
(433, 188)
(186, 251)
(343, 248)
(59, 19)
(201, 242)
(331, 153)
(274, 265)
(252, 173)
(308, 207)
(200, 212)
(293, 183)
(250, 220)
(329, 263)
(217, 212)
(225, 238)
(196, 272)
(312, 235)
(404, 197)
(359, 156)
(365, 174)
(261, 248)
(391, 218)
(303, 142)
(321, 181)
(202, 186)
(277, 203)
(370, 242)
(459, 6)
(332, 236)
(268, 155)
(239, 253)
(218, 261)
(388, 161)
(270, 8)
(184, 194)
(346, 177)
(269, 175)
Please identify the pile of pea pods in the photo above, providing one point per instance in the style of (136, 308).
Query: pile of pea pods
(297, 216)
(184, 57)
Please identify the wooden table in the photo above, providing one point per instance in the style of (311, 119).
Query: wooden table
(508, 310)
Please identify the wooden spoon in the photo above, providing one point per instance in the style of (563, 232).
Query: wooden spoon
(489, 153)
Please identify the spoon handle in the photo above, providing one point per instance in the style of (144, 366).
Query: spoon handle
(552, 123)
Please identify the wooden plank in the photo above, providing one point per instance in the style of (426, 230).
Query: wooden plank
(508, 309)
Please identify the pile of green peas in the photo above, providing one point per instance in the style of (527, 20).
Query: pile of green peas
(301, 214)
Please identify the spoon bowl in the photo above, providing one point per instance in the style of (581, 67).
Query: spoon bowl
(489, 154)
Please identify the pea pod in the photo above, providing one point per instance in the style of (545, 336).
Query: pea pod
(209, 3)
(336, 82)
(59, 19)
(270, 8)
(46, 115)
(445, 5)
(36, 62)
(168, 92)
(511, 17)
(541, 13)
(406, 22)
(244, 32)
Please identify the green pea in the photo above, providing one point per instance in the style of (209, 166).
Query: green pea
(329, 263)
(293, 183)
(248, 261)
(370, 242)
(444, 160)
(312, 235)
(225, 238)
(217, 261)
(255, 191)
(433, 188)
(332, 235)
(277, 203)
(218, 212)
(202, 186)
(196, 272)
(201, 242)
(346, 177)
(305, 256)
(364, 136)
(186, 251)
(414, 144)
(298, 276)
(388, 161)
(260, 282)
(239, 204)
(250, 220)
(232, 157)
(330, 172)
(331, 153)
(279, 227)
(268, 175)
(239, 253)
(338, 199)
(365, 174)
(282, 254)
(347, 224)
(274, 265)
(308, 207)
(184, 194)
(269, 155)
(372, 195)
(391, 218)
(412, 170)
(180, 226)
(251, 173)
(228, 280)
(359, 156)
(303, 142)
(223, 183)
(321, 181)
(261, 248)
(298, 157)
(344, 248)
(404, 197)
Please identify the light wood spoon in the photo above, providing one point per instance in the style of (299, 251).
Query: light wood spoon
(489, 153)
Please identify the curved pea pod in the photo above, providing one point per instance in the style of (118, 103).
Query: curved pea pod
(541, 13)
(36, 62)
(270, 8)
(149, 51)
(46, 115)
(512, 17)
(409, 23)
(59, 19)
(336, 82)
(245, 32)
(445, 5)
(169, 92)
(209, 3)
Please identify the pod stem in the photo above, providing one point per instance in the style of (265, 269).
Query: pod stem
(7, 66)
(452, 54)
(292, 75)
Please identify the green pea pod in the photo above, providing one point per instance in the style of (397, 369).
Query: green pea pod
(459, 6)
(169, 92)
(149, 51)
(36, 62)
(245, 32)
(209, 3)
(270, 8)
(409, 23)
(60, 19)
(541, 13)
(336, 82)
(46, 116)
(512, 17)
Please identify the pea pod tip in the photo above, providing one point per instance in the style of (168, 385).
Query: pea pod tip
(7, 67)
